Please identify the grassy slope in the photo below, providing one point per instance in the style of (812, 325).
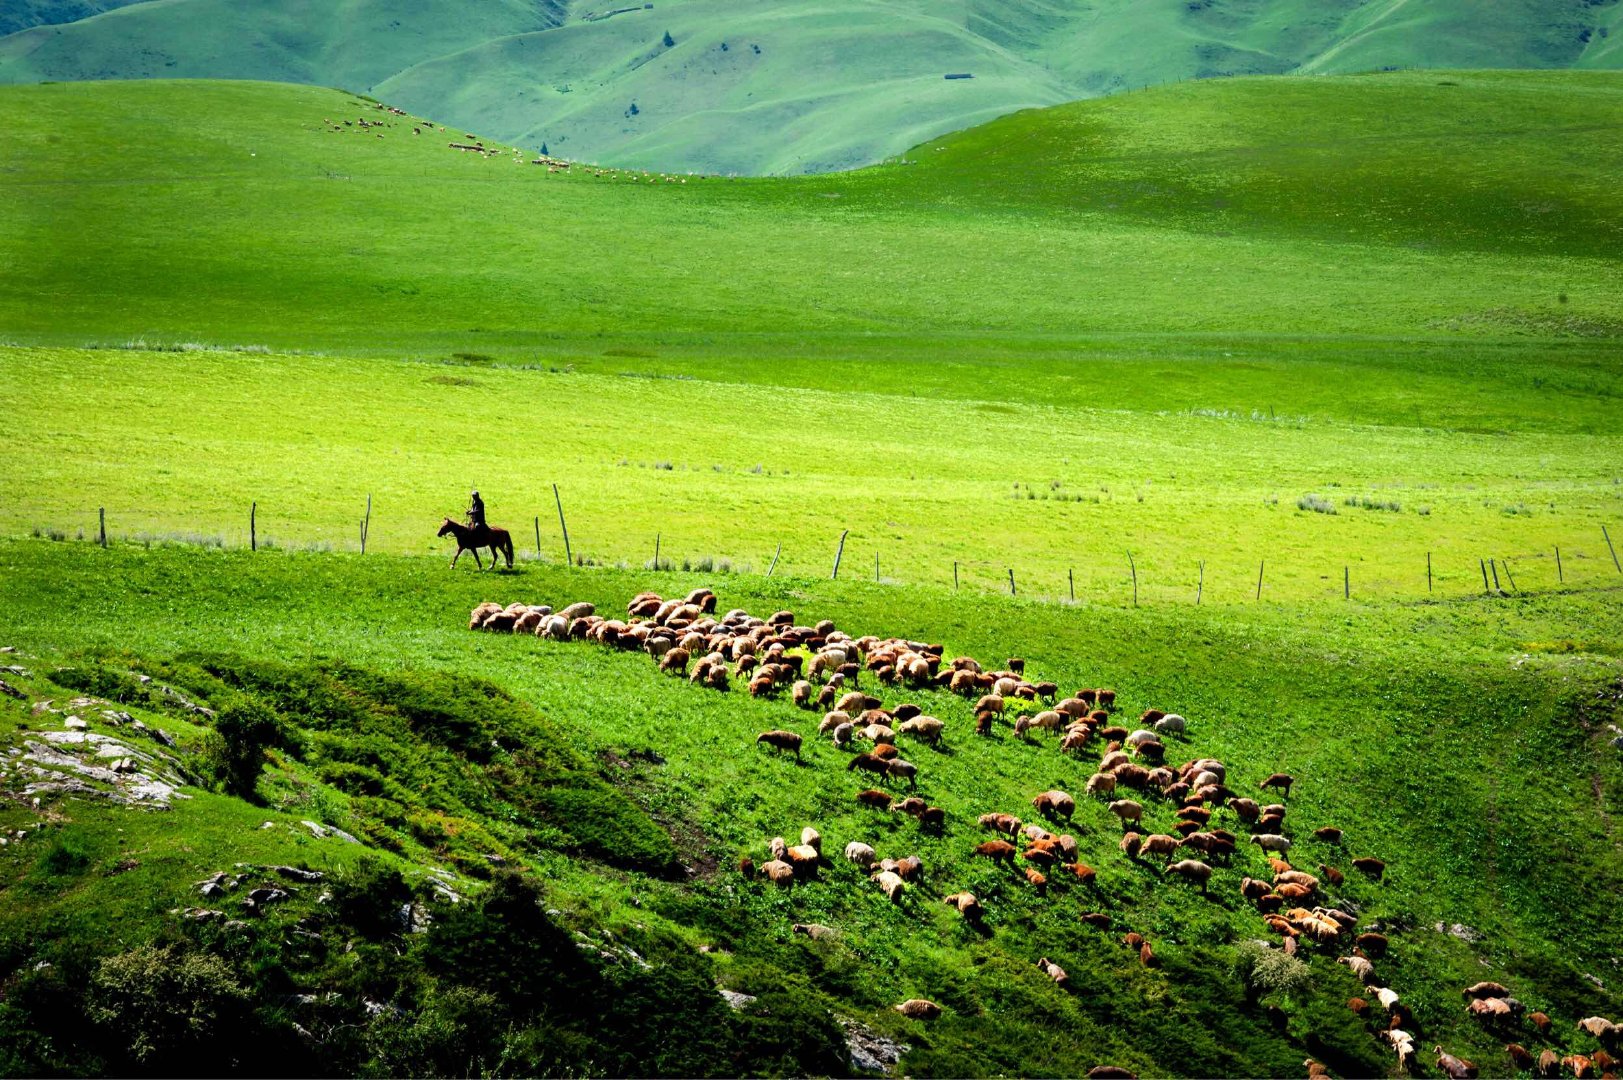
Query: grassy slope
(835, 83)
(1441, 736)
(399, 245)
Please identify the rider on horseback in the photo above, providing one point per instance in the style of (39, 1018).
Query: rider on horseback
(476, 512)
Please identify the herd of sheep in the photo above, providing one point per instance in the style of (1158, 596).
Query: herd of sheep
(821, 667)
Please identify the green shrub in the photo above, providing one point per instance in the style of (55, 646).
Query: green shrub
(1266, 970)
(243, 731)
(160, 1003)
(368, 897)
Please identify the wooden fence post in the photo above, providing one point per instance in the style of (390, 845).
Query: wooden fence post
(101, 513)
(1428, 571)
(538, 536)
(656, 551)
(1610, 548)
(838, 552)
(1200, 586)
(1510, 577)
(1346, 583)
(1560, 575)
(1131, 565)
(775, 555)
(876, 567)
(1494, 566)
(366, 523)
(1011, 581)
(569, 556)
(253, 526)
(1071, 574)
(955, 575)
(1260, 564)
(1484, 567)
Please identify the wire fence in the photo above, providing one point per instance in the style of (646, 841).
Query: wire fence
(1128, 579)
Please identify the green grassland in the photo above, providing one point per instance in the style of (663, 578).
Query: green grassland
(1168, 323)
(1450, 739)
(776, 86)
(1153, 323)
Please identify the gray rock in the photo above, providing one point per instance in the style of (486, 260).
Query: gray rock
(11, 691)
(293, 873)
(261, 898)
(735, 999)
(210, 890)
(870, 1051)
(75, 723)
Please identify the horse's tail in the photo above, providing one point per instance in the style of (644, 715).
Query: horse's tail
(507, 548)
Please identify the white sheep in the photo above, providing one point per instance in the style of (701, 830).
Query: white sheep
(1171, 724)
(861, 854)
(1272, 842)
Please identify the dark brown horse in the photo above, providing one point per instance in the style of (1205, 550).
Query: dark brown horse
(472, 539)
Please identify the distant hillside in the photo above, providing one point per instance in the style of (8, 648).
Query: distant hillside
(775, 86)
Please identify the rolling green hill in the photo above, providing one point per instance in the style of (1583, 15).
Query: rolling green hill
(781, 86)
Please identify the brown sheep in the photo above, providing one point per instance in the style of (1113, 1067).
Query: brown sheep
(1055, 803)
(1040, 856)
(1131, 843)
(675, 661)
(885, 751)
(1054, 971)
(918, 1009)
(804, 858)
(1540, 1021)
(1580, 1064)
(1252, 889)
(1159, 844)
(801, 693)
(1331, 874)
(746, 866)
(933, 818)
(1096, 919)
(1329, 834)
(1191, 870)
(1279, 780)
(1375, 868)
(869, 763)
(1147, 957)
(983, 724)
(905, 770)
(1037, 879)
(1085, 874)
(1480, 989)
(780, 872)
(996, 850)
(1358, 1005)
(878, 800)
(892, 885)
(1127, 810)
(1454, 1068)
(969, 907)
(911, 805)
(1549, 1064)
(1373, 944)
(780, 741)
(910, 869)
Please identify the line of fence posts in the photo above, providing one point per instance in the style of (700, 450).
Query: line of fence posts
(1488, 567)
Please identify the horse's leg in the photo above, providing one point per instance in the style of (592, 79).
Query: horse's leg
(455, 557)
(476, 561)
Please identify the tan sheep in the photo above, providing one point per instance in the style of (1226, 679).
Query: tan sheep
(891, 883)
(861, 854)
(918, 1009)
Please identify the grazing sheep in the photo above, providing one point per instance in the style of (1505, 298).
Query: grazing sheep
(861, 854)
(1127, 810)
(1038, 881)
(1054, 971)
(1549, 1064)
(812, 839)
(1131, 843)
(1159, 844)
(844, 733)
(996, 850)
(779, 847)
(1599, 1027)
(1580, 1064)
(1361, 967)
(833, 720)
(1331, 874)
(1252, 889)
(578, 610)
(967, 905)
(1373, 944)
(1279, 780)
(780, 872)
(1455, 1068)
(815, 931)
(1055, 803)
(878, 733)
(878, 800)
(804, 858)
(918, 1009)
(927, 728)
(553, 628)
(1147, 957)
(1539, 1021)
(991, 703)
(1403, 1043)
(1329, 834)
(476, 618)
(780, 741)
(891, 883)
(675, 661)
(870, 763)
(910, 869)
(1488, 1008)
(746, 866)
(1272, 842)
(1375, 868)
(1171, 724)
(1247, 810)
(801, 693)
(933, 818)
(1191, 870)
(886, 751)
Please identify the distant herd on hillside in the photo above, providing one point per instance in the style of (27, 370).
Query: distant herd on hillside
(821, 667)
